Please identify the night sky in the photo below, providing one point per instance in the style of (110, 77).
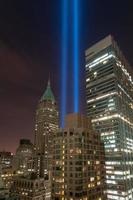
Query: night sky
(30, 50)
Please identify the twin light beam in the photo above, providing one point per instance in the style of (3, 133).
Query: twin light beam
(65, 56)
(76, 54)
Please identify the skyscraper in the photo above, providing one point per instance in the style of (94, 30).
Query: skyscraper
(109, 91)
(78, 162)
(47, 123)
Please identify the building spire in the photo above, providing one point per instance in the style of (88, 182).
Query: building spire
(48, 94)
(49, 84)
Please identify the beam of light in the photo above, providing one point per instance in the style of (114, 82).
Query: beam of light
(76, 53)
(64, 50)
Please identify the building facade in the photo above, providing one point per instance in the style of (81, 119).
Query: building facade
(23, 161)
(6, 167)
(4, 192)
(28, 188)
(6, 159)
(78, 162)
(109, 92)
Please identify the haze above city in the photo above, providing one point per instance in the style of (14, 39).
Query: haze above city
(31, 50)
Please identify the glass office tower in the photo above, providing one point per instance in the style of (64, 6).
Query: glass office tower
(109, 92)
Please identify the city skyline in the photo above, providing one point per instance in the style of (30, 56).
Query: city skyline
(23, 68)
(66, 123)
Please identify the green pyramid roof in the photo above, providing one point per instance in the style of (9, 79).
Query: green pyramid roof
(48, 94)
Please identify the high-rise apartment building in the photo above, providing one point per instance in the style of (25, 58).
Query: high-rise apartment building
(47, 123)
(109, 91)
(78, 162)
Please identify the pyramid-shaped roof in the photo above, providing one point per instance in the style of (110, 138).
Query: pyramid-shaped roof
(48, 94)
